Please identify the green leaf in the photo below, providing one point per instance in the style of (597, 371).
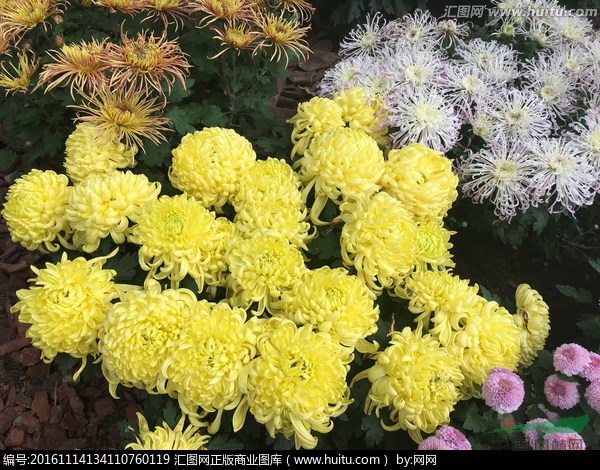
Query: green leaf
(178, 92)
(7, 159)
(156, 155)
(326, 246)
(281, 443)
(583, 296)
(170, 413)
(374, 433)
(590, 327)
(222, 442)
(125, 264)
(541, 218)
(595, 263)
(182, 120)
(474, 420)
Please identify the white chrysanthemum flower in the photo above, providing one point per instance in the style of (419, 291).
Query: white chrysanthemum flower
(415, 70)
(517, 114)
(552, 83)
(465, 85)
(508, 10)
(592, 60)
(353, 71)
(572, 29)
(483, 126)
(450, 31)
(501, 175)
(571, 58)
(562, 177)
(365, 39)
(418, 30)
(586, 137)
(498, 61)
(541, 32)
(424, 116)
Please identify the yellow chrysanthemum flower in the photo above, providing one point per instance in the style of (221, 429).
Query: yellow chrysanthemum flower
(360, 111)
(208, 165)
(102, 205)
(88, 152)
(140, 332)
(417, 380)
(340, 163)
(422, 179)
(165, 438)
(533, 320)
(268, 181)
(19, 78)
(261, 267)
(67, 306)
(333, 301)
(177, 236)
(35, 209)
(433, 247)
(217, 267)
(297, 382)
(203, 369)
(278, 217)
(439, 296)
(379, 238)
(485, 339)
(311, 119)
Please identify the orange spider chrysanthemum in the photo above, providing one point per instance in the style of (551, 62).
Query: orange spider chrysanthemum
(228, 10)
(146, 60)
(19, 78)
(129, 7)
(125, 112)
(301, 7)
(19, 16)
(176, 10)
(81, 66)
(283, 35)
(236, 37)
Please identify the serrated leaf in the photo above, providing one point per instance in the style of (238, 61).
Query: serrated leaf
(179, 92)
(583, 296)
(156, 155)
(590, 327)
(182, 120)
(474, 421)
(326, 246)
(374, 433)
(222, 442)
(212, 116)
(125, 264)
(170, 412)
(541, 217)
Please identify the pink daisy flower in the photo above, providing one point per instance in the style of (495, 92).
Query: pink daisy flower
(591, 372)
(434, 443)
(453, 437)
(534, 431)
(446, 438)
(592, 395)
(503, 390)
(563, 441)
(571, 358)
(560, 393)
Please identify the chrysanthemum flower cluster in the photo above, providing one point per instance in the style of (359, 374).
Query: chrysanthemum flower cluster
(446, 89)
(231, 319)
